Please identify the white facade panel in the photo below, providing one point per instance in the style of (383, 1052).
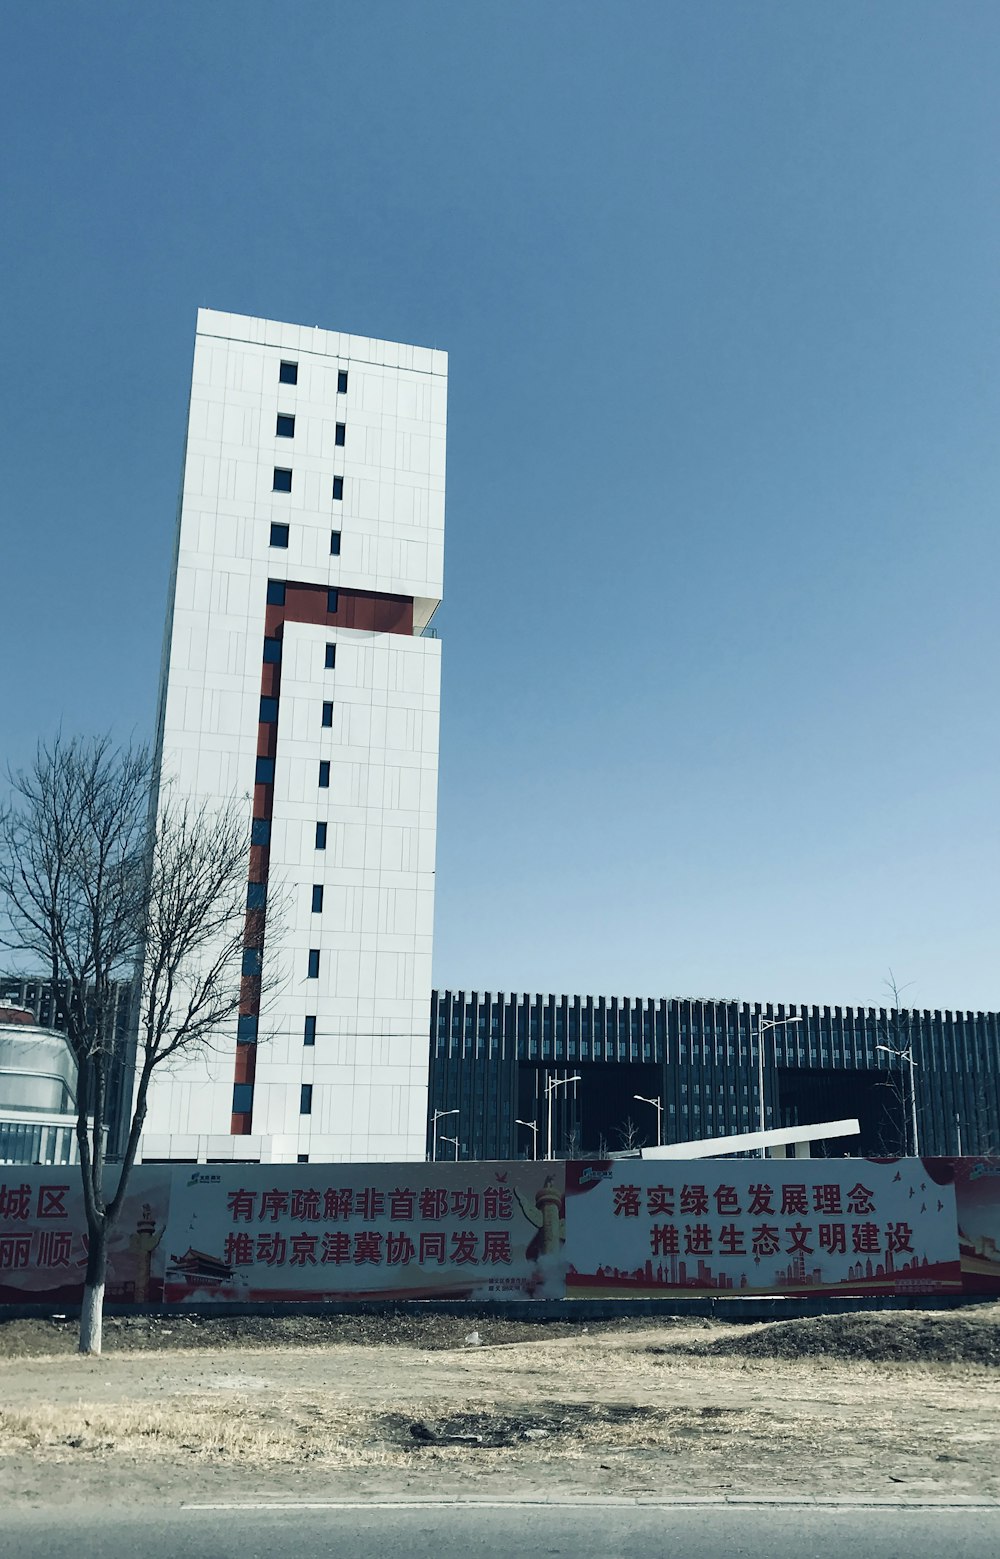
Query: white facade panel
(366, 471)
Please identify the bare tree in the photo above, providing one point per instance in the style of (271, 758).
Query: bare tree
(102, 880)
(630, 1136)
(896, 1038)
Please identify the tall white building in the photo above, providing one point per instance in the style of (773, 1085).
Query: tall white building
(299, 674)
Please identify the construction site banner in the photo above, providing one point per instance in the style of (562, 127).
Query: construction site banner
(640, 1228)
(43, 1236)
(628, 1228)
(977, 1194)
(473, 1231)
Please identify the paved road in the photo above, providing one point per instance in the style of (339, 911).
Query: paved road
(579, 1531)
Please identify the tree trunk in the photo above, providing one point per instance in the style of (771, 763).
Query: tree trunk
(92, 1311)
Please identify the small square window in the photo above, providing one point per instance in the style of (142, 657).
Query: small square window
(242, 1098)
(324, 774)
(332, 600)
(309, 1032)
(282, 480)
(272, 652)
(335, 543)
(288, 373)
(268, 711)
(321, 836)
(246, 1030)
(276, 592)
(331, 657)
(279, 535)
(317, 898)
(260, 830)
(313, 963)
(285, 426)
(302, 1158)
(306, 1099)
(342, 382)
(327, 712)
(341, 434)
(338, 488)
(256, 895)
(252, 960)
(265, 771)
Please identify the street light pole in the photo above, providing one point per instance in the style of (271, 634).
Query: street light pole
(550, 1088)
(658, 1107)
(764, 1026)
(438, 1115)
(455, 1141)
(533, 1128)
(907, 1056)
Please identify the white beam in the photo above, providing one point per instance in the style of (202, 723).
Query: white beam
(753, 1141)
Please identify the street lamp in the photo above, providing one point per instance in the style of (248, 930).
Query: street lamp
(550, 1088)
(907, 1056)
(658, 1107)
(764, 1025)
(533, 1128)
(455, 1141)
(438, 1115)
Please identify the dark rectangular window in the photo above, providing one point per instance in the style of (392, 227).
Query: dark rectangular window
(331, 657)
(306, 1099)
(328, 713)
(242, 1098)
(302, 1158)
(265, 771)
(256, 895)
(332, 600)
(268, 711)
(279, 535)
(342, 382)
(285, 427)
(314, 963)
(321, 836)
(309, 1032)
(317, 898)
(246, 1030)
(282, 480)
(260, 830)
(276, 592)
(335, 543)
(341, 434)
(288, 373)
(324, 774)
(338, 488)
(272, 652)
(252, 960)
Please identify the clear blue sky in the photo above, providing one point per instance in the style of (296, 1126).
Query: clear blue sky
(721, 289)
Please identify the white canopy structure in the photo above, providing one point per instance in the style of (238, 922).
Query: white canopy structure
(753, 1141)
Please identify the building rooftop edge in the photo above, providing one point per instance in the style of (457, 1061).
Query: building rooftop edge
(708, 1001)
(319, 339)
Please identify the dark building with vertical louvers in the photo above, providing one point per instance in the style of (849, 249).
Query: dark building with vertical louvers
(494, 1059)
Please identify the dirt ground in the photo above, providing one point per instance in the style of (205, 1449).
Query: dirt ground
(898, 1404)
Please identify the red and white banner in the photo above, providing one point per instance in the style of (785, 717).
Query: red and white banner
(629, 1228)
(376, 1231)
(43, 1236)
(759, 1226)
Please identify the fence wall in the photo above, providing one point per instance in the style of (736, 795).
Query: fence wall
(583, 1229)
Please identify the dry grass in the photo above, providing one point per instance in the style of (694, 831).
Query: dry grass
(649, 1408)
(303, 1428)
(192, 1426)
